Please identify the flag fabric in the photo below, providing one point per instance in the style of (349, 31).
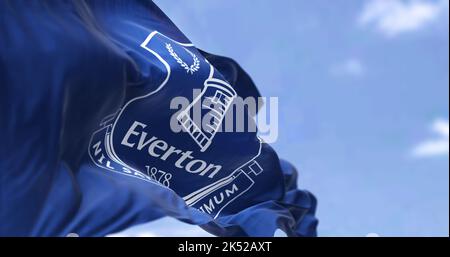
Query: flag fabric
(86, 89)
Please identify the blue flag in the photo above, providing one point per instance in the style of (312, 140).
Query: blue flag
(86, 128)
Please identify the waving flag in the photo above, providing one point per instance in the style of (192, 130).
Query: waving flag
(87, 143)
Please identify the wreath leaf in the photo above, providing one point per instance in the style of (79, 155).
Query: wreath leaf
(189, 69)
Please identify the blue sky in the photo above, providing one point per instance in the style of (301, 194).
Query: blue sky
(363, 102)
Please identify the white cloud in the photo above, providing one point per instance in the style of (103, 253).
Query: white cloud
(437, 146)
(393, 17)
(352, 67)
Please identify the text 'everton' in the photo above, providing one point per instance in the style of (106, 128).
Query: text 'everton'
(138, 139)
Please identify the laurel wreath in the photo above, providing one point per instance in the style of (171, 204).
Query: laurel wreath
(189, 69)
